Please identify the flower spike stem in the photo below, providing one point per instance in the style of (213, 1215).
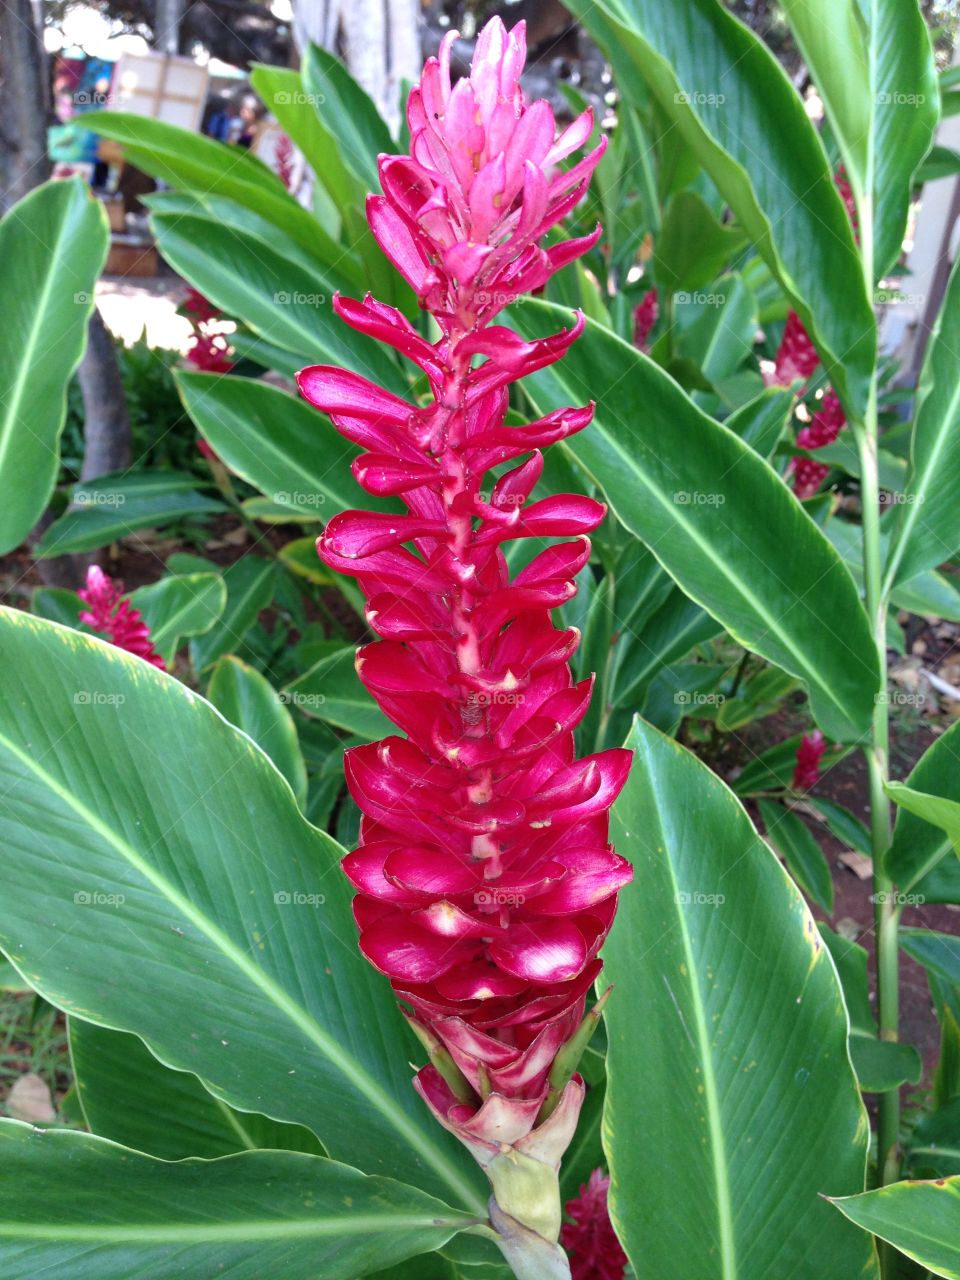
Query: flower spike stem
(486, 883)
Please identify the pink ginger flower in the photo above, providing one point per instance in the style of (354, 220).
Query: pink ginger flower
(209, 352)
(283, 158)
(809, 754)
(589, 1239)
(645, 316)
(113, 616)
(796, 356)
(825, 426)
(486, 883)
(199, 307)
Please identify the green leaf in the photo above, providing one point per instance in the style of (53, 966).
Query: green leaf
(731, 103)
(180, 606)
(251, 583)
(57, 604)
(275, 296)
(761, 422)
(704, 503)
(278, 443)
(946, 1082)
(873, 67)
(693, 246)
(188, 902)
(53, 245)
(942, 162)
(795, 843)
(121, 1214)
(108, 509)
(938, 953)
(739, 1059)
(934, 1145)
(928, 523)
(331, 690)
(249, 701)
(202, 167)
(676, 626)
(130, 1097)
(921, 1219)
(349, 113)
(919, 841)
(934, 810)
(846, 826)
(299, 115)
(880, 1064)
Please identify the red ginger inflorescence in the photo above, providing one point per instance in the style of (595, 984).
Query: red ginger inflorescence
(114, 616)
(486, 883)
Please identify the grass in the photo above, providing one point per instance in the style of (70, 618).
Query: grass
(33, 1037)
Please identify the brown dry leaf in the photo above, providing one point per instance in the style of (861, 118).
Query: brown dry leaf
(29, 1100)
(858, 863)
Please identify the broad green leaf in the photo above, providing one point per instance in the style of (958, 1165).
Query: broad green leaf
(795, 843)
(704, 503)
(873, 66)
(200, 166)
(721, 336)
(946, 1081)
(278, 443)
(677, 625)
(921, 1219)
(928, 523)
(927, 594)
(248, 700)
(733, 106)
(934, 1145)
(298, 111)
(761, 422)
(300, 557)
(52, 248)
(349, 113)
(938, 953)
(739, 1059)
(693, 247)
(120, 1214)
(934, 810)
(179, 606)
(275, 296)
(130, 1097)
(251, 583)
(223, 212)
(162, 882)
(920, 843)
(846, 826)
(332, 691)
(57, 604)
(880, 1064)
(941, 162)
(107, 509)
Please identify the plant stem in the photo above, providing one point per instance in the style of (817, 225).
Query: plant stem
(886, 913)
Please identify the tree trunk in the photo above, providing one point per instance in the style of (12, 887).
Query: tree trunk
(166, 33)
(23, 113)
(381, 41)
(106, 423)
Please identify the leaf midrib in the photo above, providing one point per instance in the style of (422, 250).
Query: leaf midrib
(12, 409)
(350, 1068)
(340, 1224)
(718, 1158)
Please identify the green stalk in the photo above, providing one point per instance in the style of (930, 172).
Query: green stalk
(886, 913)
